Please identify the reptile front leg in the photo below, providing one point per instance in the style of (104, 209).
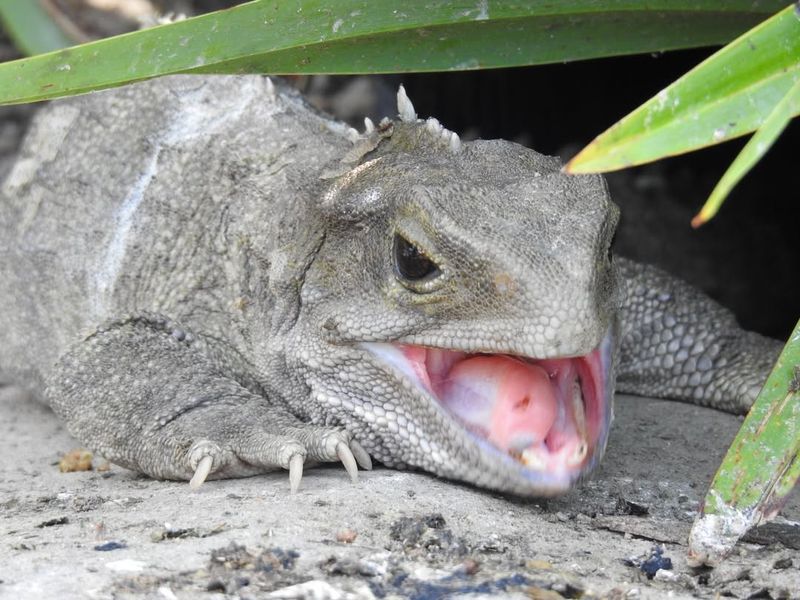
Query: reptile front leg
(678, 343)
(152, 397)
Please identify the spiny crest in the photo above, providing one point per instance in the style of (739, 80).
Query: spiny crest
(404, 107)
(436, 132)
(369, 126)
(408, 131)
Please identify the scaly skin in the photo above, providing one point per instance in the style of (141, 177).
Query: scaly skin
(679, 344)
(196, 272)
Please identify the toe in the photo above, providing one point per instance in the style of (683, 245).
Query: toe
(204, 457)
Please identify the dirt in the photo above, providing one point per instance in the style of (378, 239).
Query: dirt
(115, 534)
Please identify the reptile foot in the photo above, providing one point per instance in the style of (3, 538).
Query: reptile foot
(201, 459)
(251, 454)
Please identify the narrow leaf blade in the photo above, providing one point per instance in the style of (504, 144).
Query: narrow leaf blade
(728, 95)
(755, 148)
(31, 29)
(761, 467)
(375, 36)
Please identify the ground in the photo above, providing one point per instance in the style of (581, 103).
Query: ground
(115, 534)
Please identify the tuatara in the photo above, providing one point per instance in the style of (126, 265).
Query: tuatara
(206, 278)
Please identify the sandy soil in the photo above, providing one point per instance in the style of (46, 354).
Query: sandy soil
(394, 534)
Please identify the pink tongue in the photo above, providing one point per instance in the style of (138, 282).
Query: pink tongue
(512, 401)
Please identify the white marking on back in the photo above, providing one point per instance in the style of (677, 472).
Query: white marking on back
(193, 119)
(107, 274)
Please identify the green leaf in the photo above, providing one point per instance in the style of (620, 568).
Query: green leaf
(728, 95)
(380, 36)
(761, 467)
(31, 28)
(755, 148)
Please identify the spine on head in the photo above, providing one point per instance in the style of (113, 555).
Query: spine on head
(406, 134)
(431, 130)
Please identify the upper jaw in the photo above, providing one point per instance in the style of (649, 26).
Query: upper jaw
(539, 425)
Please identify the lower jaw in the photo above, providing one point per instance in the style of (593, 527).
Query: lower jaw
(500, 469)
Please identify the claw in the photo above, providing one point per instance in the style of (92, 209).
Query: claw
(201, 472)
(349, 462)
(363, 459)
(295, 472)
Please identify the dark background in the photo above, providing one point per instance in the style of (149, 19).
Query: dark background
(747, 257)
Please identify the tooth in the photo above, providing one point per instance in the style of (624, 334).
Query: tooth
(579, 410)
(579, 454)
(579, 414)
(533, 459)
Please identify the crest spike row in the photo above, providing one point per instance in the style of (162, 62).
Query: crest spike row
(434, 126)
(455, 142)
(404, 107)
(369, 126)
(353, 135)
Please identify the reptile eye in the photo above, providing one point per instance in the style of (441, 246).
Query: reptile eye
(411, 263)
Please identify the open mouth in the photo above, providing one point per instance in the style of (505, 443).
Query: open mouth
(550, 416)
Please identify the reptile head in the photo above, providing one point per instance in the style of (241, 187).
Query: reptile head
(461, 307)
